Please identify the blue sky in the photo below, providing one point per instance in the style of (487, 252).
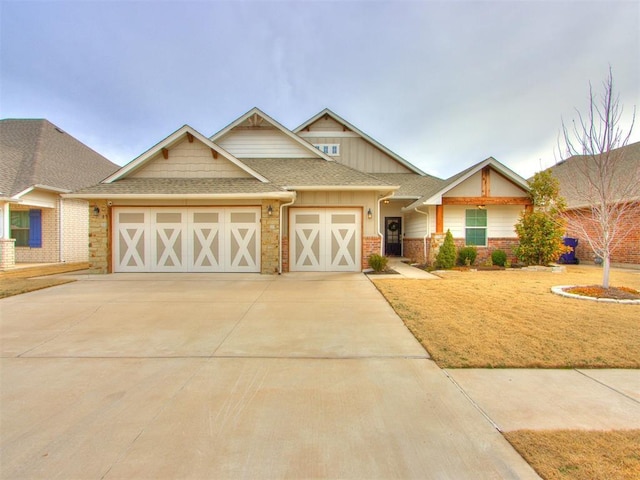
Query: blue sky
(443, 84)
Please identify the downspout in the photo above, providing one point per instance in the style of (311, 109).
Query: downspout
(378, 213)
(424, 239)
(280, 235)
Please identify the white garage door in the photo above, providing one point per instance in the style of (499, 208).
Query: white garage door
(186, 239)
(325, 240)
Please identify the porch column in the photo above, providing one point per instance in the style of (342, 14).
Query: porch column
(439, 219)
(7, 245)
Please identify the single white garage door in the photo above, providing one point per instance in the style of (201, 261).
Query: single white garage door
(325, 239)
(186, 239)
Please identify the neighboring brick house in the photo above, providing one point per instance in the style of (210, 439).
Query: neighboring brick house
(38, 163)
(258, 197)
(575, 189)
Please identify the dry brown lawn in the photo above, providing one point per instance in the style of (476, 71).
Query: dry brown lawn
(580, 455)
(510, 318)
(16, 286)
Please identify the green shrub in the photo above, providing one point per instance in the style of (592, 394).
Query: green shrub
(467, 255)
(378, 262)
(446, 257)
(499, 257)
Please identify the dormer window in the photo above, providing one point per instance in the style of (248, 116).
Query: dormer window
(331, 149)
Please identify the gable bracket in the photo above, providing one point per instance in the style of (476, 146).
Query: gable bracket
(165, 153)
(190, 137)
(214, 154)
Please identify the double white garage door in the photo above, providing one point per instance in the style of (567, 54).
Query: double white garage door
(187, 239)
(227, 239)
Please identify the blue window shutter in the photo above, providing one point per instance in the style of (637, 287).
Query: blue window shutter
(35, 228)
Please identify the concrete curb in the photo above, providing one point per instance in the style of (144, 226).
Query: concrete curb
(559, 290)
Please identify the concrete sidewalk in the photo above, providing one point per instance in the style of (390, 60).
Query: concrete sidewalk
(230, 376)
(516, 399)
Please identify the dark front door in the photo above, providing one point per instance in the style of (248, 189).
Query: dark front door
(392, 236)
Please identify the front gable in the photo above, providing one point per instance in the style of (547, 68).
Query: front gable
(189, 159)
(185, 153)
(256, 135)
(486, 183)
(355, 148)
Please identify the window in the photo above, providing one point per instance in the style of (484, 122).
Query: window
(476, 227)
(331, 149)
(26, 228)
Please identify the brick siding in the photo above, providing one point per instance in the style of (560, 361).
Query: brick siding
(7, 253)
(626, 253)
(49, 252)
(413, 249)
(370, 245)
(75, 230)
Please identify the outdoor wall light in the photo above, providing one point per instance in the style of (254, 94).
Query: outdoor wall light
(369, 214)
(96, 211)
(386, 202)
(269, 210)
(481, 207)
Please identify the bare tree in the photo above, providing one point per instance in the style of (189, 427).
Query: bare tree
(603, 183)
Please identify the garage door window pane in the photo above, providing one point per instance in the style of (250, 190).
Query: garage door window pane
(348, 219)
(169, 218)
(312, 219)
(205, 218)
(131, 218)
(243, 217)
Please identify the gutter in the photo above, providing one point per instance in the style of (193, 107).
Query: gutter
(178, 196)
(280, 234)
(424, 239)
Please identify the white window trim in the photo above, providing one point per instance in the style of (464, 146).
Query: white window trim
(327, 148)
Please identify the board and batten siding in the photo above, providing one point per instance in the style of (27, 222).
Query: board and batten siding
(189, 160)
(365, 200)
(499, 186)
(262, 143)
(360, 154)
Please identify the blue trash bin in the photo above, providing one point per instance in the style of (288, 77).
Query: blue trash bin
(569, 257)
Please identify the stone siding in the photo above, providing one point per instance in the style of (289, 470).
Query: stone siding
(99, 237)
(269, 237)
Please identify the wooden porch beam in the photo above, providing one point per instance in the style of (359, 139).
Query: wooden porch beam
(486, 201)
(165, 153)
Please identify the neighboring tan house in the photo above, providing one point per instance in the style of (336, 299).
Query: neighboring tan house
(258, 197)
(575, 190)
(38, 163)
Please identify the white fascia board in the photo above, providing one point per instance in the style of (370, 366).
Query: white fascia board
(51, 189)
(175, 136)
(283, 129)
(336, 188)
(366, 137)
(177, 196)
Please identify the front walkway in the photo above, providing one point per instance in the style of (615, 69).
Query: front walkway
(230, 376)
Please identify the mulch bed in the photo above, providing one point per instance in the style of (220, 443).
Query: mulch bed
(597, 291)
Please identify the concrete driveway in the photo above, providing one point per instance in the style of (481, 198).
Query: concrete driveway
(230, 376)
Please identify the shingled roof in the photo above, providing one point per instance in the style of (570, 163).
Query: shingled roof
(35, 152)
(310, 172)
(574, 185)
